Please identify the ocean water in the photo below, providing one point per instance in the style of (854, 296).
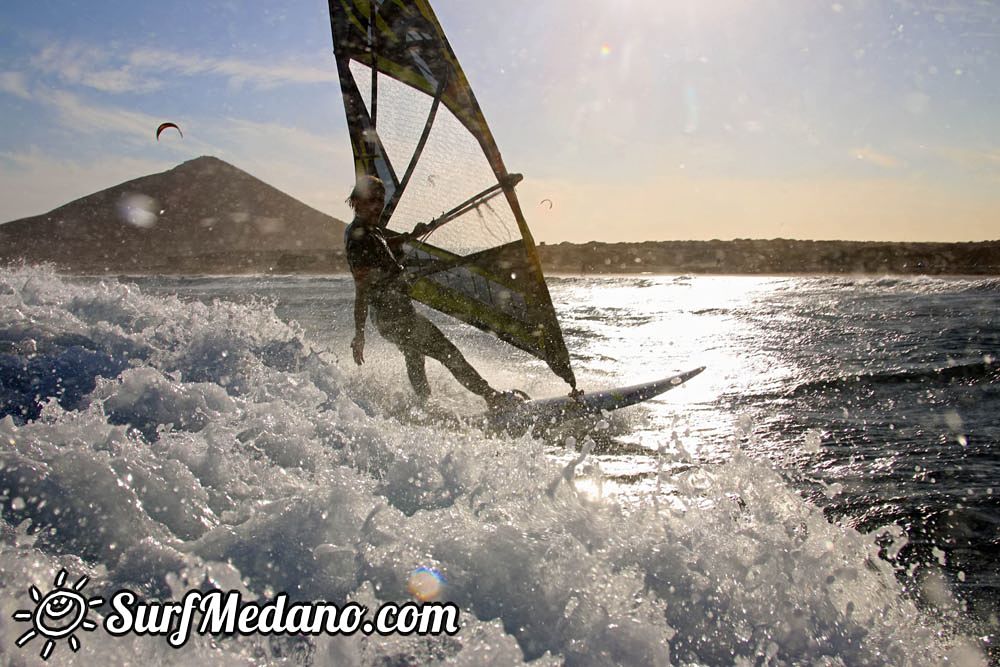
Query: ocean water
(824, 493)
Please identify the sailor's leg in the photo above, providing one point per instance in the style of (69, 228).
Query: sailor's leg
(400, 331)
(428, 340)
(416, 372)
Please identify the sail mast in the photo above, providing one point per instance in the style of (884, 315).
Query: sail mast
(373, 45)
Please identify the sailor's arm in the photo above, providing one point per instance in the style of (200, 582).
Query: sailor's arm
(361, 288)
(397, 240)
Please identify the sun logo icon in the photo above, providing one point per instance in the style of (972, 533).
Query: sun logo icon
(57, 614)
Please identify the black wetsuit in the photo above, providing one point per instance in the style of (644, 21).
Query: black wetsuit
(396, 318)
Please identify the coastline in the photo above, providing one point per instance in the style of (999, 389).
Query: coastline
(735, 257)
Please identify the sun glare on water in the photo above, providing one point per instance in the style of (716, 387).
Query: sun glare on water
(641, 328)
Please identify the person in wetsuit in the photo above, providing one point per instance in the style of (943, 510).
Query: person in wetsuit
(379, 286)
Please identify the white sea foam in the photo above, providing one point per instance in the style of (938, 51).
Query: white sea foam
(226, 451)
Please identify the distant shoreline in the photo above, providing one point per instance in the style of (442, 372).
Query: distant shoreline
(773, 256)
(737, 257)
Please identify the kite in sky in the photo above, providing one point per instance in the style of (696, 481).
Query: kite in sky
(164, 126)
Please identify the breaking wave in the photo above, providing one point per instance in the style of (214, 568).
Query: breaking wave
(158, 444)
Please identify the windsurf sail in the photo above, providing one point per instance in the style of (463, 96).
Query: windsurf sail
(415, 123)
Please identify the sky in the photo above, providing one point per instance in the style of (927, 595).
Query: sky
(640, 120)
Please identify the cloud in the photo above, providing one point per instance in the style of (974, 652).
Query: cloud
(81, 116)
(130, 129)
(288, 140)
(15, 84)
(88, 66)
(238, 72)
(869, 154)
(142, 70)
(201, 135)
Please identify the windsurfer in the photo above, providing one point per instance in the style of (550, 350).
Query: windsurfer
(379, 284)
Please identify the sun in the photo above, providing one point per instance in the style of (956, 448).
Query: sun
(57, 614)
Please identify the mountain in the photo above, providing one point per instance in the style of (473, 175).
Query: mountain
(202, 216)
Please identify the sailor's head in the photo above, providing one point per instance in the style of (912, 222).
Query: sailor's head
(368, 197)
